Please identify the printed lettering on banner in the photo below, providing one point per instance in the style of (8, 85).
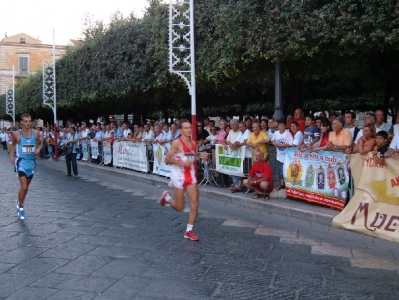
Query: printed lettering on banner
(321, 177)
(130, 155)
(230, 161)
(374, 208)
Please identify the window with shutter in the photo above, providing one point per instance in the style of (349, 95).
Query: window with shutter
(23, 65)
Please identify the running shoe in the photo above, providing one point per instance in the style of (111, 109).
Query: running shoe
(191, 235)
(22, 214)
(162, 201)
(17, 207)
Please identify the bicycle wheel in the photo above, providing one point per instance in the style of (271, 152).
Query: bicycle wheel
(215, 176)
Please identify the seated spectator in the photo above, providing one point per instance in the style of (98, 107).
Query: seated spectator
(393, 147)
(366, 142)
(282, 140)
(325, 133)
(340, 138)
(259, 140)
(296, 133)
(381, 147)
(311, 135)
(273, 127)
(260, 178)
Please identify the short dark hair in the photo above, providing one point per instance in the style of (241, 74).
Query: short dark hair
(281, 122)
(382, 134)
(371, 114)
(295, 123)
(310, 117)
(248, 118)
(351, 113)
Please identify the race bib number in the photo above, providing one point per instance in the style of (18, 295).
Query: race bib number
(28, 149)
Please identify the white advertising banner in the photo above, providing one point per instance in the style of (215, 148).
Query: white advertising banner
(130, 155)
(160, 167)
(94, 149)
(107, 150)
(229, 161)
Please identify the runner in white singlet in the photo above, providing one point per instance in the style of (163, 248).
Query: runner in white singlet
(181, 156)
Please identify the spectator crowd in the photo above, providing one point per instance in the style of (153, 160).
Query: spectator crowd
(306, 132)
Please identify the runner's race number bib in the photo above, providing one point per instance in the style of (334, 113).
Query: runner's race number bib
(28, 149)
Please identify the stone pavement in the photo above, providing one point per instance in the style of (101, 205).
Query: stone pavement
(103, 236)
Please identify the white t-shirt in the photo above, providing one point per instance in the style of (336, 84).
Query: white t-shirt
(212, 137)
(359, 135)
(232, 137)
(395, 142)
(84, 133)
(243, 136)
(298, 137)
(126, 132)
(282, 138)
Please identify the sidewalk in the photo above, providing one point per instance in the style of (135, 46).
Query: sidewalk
(277, 204)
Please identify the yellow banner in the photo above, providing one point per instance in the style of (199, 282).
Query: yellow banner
(374, 208)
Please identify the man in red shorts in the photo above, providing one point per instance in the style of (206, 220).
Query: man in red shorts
(260, 178)
(181, 156)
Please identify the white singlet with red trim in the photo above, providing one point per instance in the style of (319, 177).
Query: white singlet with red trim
(181, 177)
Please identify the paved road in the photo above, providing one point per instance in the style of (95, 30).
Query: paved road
(105, 237)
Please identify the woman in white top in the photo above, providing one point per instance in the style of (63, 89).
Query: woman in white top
(296, 133)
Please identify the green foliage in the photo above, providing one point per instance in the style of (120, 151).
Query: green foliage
(336, 54)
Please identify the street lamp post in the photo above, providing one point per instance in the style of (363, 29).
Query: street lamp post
(49, 93)
(181, 48)
(278, 112)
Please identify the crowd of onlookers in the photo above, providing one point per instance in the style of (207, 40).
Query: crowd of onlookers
(312, 132)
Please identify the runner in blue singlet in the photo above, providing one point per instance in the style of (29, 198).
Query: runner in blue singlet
(26, 144)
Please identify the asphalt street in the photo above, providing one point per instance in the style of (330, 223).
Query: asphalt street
(101, 236)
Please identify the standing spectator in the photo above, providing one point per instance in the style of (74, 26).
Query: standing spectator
(393, 147)
(241, 141)
(350, 118)
(221, 135)
(70, 158)
(248, 123)
(379, 121)
(369, 120)
(263, 126)
(317, 122)
(367, 141)
(273, 127)
(118, 131)
(202, 134)
(167, 135)
(4, 139)
(260, 178)
(233, 134)
(126, 130)
(282, 140)
(381, 141)
(258, 140)
(296, 133)
(311, 134)
(340, 138)
(290, 118)
(206, 124)
(148, 133)
(325, 133)
(395, 128)
(298, 117)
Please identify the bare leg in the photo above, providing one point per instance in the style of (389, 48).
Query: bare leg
(178, 202)
(193, 195)
(23, 190)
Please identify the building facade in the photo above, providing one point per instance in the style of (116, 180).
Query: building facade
(26, 54)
